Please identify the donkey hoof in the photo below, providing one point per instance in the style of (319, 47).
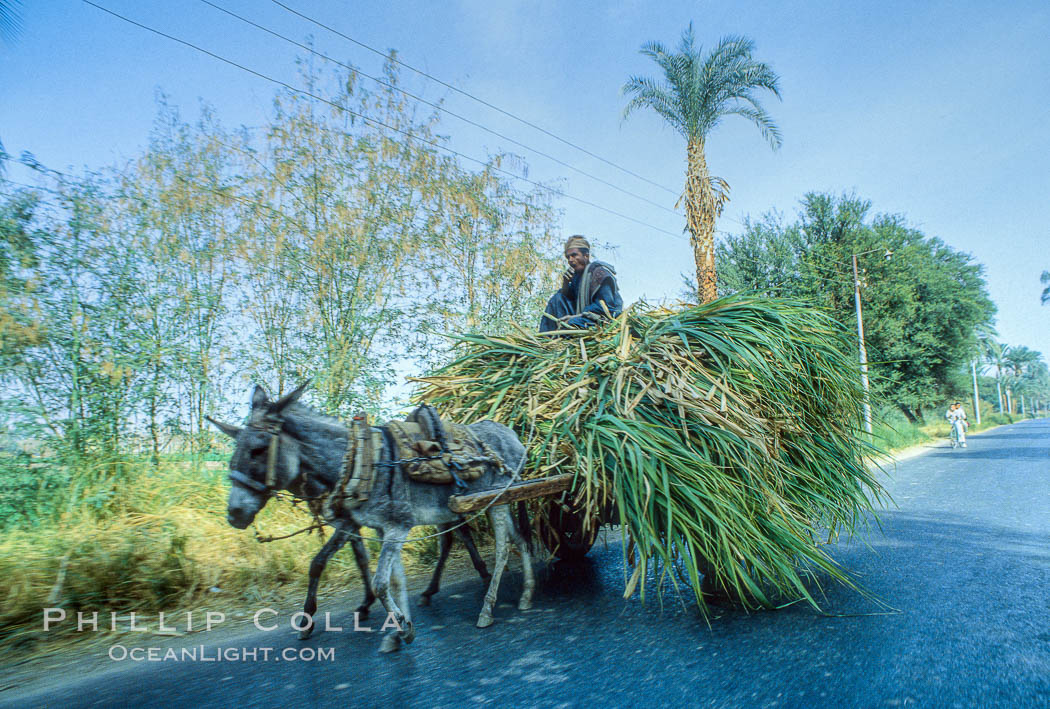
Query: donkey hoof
(391, 643)
(524, 604)
(409, 633)
(424, 600)
(485, 620)
(306, 632)
(361, 612)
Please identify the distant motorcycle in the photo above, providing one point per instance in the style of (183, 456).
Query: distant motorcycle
(957, 420)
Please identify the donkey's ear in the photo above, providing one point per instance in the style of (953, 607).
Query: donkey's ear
(291, 397)
(259, 397)
(226, 428)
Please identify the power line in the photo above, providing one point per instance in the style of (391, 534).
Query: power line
(473, 97)
(373, 121)
(439, 107)
(224, 191)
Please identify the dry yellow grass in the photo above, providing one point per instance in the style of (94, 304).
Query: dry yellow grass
(164, 548)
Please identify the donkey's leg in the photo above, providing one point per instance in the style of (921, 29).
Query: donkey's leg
(499, 527)
(408, 633)
(475, 558)
(393, 540)
(528, 580)
(317, 566)
(361, 557)
(435, 580)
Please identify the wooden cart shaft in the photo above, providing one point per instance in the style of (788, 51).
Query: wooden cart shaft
(524, 490)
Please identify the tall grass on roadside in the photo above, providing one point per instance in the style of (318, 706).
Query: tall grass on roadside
(728, 434)
(163, 543)
(893, 432)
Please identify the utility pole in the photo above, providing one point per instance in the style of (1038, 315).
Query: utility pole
(863, 351)
(976, 399)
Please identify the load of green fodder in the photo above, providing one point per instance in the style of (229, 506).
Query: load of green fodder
(728, 434)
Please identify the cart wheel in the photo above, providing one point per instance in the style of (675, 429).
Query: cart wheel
(563, 533)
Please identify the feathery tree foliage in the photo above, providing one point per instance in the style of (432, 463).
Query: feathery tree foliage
(695, 94)
(136, 301)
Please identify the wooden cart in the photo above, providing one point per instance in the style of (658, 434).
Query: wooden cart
(560, 527)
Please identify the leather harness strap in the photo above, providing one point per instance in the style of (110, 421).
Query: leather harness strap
(272, 427)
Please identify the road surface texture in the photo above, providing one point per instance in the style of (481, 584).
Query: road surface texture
(964, 561)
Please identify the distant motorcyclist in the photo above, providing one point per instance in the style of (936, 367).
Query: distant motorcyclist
(956, 416)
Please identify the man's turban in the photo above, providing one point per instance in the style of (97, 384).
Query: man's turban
(576, 241)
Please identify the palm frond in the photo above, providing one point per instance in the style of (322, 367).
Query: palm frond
(760, 118)
(645, 92)
(10, 19)
(701, 89)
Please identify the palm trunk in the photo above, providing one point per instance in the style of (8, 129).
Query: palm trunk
(700, 212)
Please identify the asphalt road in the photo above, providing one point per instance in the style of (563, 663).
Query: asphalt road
(965, 561)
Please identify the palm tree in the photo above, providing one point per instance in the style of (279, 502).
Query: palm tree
(696, 92)
(986, 335)
(997, 355)
(10, 19)
(1020, 360)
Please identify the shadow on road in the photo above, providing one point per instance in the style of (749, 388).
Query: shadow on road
(998, 453)
(966, 574)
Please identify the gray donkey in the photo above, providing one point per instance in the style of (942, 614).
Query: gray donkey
(348, 530)
(288, 446)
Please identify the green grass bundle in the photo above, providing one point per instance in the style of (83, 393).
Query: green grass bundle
(728, 434)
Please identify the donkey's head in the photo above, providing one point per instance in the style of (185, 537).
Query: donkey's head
(265, 459)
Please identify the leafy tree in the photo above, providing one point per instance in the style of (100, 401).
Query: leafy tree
(1045, 280)
(362, 240)
(186, 229)
(921, 307)
(492, 268)
(18, 256)
(694, 95)
(319, 245)
(77, 367)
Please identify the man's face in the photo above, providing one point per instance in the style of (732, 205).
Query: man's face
(577, 260)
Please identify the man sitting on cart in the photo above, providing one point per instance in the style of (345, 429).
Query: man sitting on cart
(588, 291)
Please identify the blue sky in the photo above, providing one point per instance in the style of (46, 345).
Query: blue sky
(936, 110)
